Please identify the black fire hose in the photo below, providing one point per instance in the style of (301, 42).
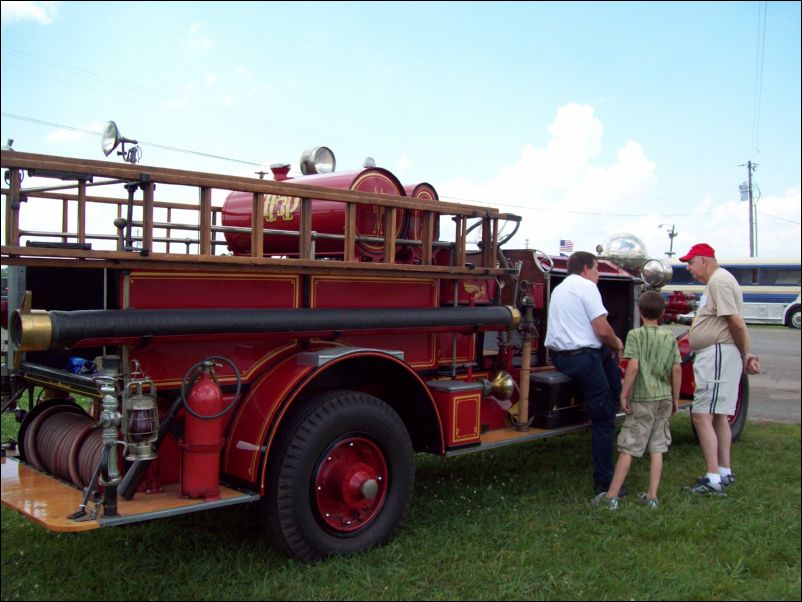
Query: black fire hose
(39, 331)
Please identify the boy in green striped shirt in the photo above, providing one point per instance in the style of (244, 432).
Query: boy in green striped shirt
(649, 397)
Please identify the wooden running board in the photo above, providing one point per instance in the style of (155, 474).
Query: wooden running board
(49, 501)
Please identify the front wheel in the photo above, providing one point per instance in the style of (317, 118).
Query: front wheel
(341, 477)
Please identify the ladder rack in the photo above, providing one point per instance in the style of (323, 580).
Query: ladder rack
(162, 230)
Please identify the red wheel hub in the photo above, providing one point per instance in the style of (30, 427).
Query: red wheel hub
(351, 484)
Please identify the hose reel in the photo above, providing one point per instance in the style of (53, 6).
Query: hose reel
(59, 437)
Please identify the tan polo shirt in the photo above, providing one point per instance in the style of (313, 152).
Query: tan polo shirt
(722, 297)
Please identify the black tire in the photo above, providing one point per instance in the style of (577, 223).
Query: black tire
(738, 420)
(794, 319)
(311, 509)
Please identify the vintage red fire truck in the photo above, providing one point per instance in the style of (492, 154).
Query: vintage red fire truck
(295, 344)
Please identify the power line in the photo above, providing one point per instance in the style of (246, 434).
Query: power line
(451, 198)
(545, 209)
(143, 142)
(111, 81)
(106, 80)
(782, 219)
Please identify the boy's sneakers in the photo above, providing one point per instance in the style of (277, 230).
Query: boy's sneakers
(649, 502)
(728, 480)
(601, 500)
(705, 487)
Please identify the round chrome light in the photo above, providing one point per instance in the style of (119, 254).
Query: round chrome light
(627, 250)
(656, 273)
(110, 138)
(319, 159)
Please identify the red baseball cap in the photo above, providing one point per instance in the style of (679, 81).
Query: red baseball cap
(699, 250)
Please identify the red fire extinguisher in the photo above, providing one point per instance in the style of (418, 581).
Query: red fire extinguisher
(203, 432)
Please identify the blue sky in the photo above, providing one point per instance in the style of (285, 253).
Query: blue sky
(588, 119)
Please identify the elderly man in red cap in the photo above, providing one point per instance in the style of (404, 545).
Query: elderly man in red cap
(720, 341)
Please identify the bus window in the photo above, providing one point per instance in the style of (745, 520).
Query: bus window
(681, 275)
(744, 276)
(771, 276)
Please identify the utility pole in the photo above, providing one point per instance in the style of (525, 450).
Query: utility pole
(747, 190)
(671, 235)
(751, 214)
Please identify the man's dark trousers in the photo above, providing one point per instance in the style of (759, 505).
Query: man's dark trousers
(597, 374)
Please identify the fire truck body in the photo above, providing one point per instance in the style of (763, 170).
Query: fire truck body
(303, 371)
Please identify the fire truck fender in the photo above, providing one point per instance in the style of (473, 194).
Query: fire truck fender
(302, 377)
(340, 469)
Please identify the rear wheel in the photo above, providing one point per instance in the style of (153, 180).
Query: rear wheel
(341, 477)
(794, 319)
(738, 420)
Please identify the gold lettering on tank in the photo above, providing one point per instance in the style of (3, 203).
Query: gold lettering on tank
(281, 207)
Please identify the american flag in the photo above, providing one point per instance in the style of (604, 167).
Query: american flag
(566, 246)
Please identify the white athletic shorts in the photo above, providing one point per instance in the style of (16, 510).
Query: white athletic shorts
(717, 370)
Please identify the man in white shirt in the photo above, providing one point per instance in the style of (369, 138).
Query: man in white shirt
(585, 347)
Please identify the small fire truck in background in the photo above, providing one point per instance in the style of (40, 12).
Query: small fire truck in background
(294, 345)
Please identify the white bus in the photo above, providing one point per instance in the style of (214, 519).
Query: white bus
(771, 288)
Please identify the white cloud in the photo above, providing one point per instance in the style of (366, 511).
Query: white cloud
(564, 190)
(574, 136)
(778, 224)
(244, 73)
(183, 100)
(60, 136)
(197, 39)
(727, 227)
(560, 189)
(177, 103)
(41, 12)
(403, 164)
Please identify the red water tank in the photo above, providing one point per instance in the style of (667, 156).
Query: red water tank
(424, 192)
(282, 214)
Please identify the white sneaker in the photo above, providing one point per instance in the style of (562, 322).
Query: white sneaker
(705, 487)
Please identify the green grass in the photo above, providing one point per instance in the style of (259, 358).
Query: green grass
(505, 524)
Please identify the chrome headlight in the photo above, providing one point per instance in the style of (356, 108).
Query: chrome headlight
(319, 159)
(110, 138)
(656, 273)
